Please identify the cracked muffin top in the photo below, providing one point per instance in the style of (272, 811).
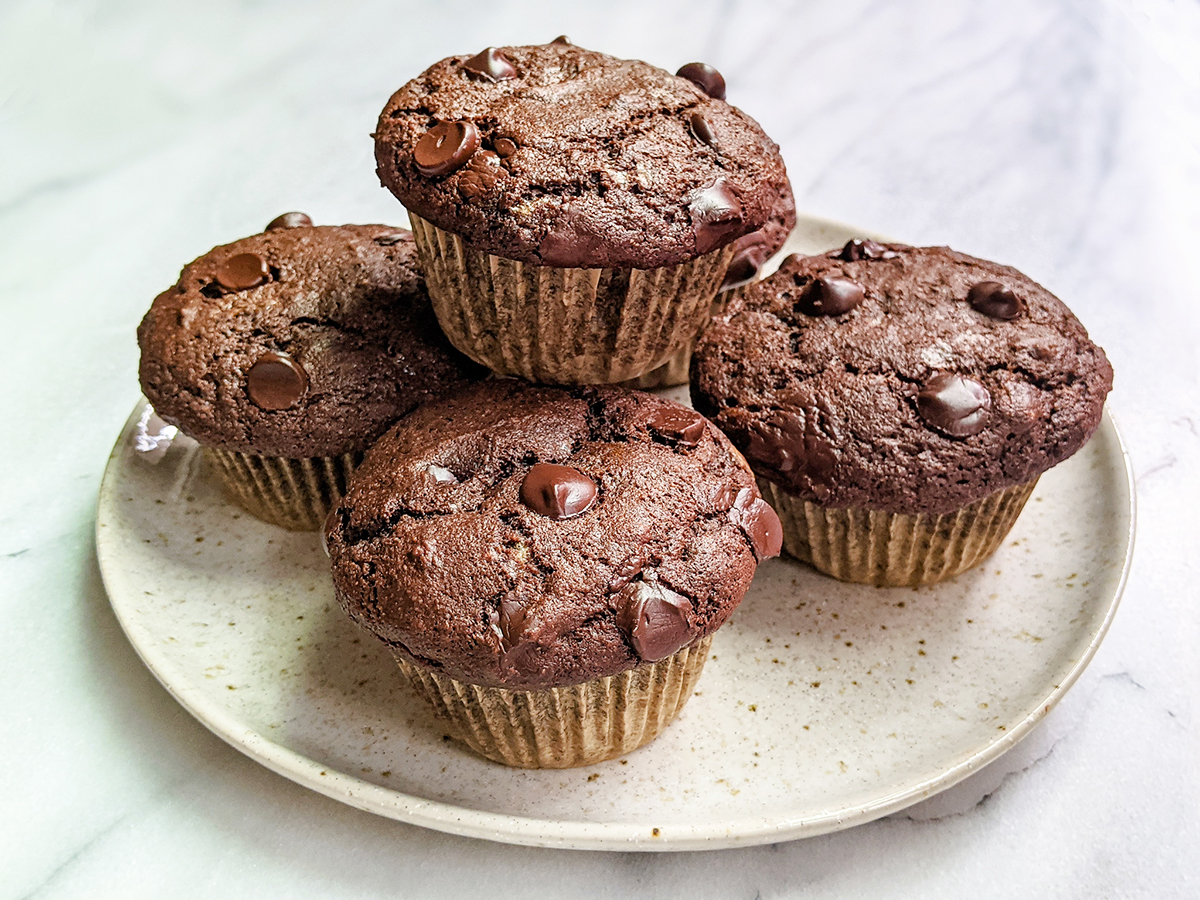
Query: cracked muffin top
(528, 537)
(903, 379)
(301, 341)
(555, 155)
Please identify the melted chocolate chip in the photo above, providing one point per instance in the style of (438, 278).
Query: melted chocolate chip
(857, 249)
(758, 522)
(724, 496)
(993, 299)
(238, 273)
(654, 619)
(491, 64)
(702, 129)
(830, 296)
(571, 242)
(508, 622)
(504, 147)
(789, 443)
(480, 175)
(276, 381)
(704, 77)
(954, 405)
(562, 39)
(747, 262)
(446, 147)
(716, 213)
(390, 238)
(679, 424)
(289, 220)
(558, 492)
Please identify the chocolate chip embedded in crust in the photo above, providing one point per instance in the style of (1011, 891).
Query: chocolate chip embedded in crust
(491, 64)
(758, 521)
(480, 175)
(289, 220)
(748, 258)
(830, 296)
(654, 619)
(679, 424)
(856, 249)
(704, 77)
(391, 237)
(446, 147)
(716, 212)
(702, 129)
(954, 405)
(504, 147)
(276, 381)
(557, 492)
(562, 39)
(241, 272)
(993, 299)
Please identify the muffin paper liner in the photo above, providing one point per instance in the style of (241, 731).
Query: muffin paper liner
(559, 728)
(892, 549)
(295, 494)
(564, 326)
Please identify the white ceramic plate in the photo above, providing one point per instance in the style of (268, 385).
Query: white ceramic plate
(824, 705)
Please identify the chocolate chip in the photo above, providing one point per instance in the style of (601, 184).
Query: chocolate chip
(446, 147)
(504, 147)
(508, 622)
(758, 522)
(993, 299)
(790, 443)
(276, 381)
(704, 77)
(830, 296)
(480, 175)
(572, 241)
(391, 237)
(562, 39)
(679, 424)
(953, 404)
(723, 497)
(702, 129)
(716, 213)
(491, 64)
(748, 258)
(654, 619)
(289, 220)
(558, 492)
(246, 270)
(857, 249)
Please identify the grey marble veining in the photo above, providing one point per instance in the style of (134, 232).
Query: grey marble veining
(1059, 136)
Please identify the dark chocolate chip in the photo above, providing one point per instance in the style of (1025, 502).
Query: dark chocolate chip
(716, 213)
(724, 496)
(562, 39)
(276, 381)
(571, 242)
(953, 404)
(504, 147)
(830, 296)
(993, 299)
(446, 147)
(558, 492)
(392, 237)
(654, 618)
(789, 442)
(491, 64)
(758, 522)
(702, 129)
(289, 220)
(508, 622)
(704, 77)
(679, 424)
(857, 249)
(245, 270)
(747, 262)
(480, 175)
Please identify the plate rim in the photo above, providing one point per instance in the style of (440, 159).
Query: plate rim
(566, 833)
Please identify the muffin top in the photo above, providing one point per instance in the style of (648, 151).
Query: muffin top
(559, 156)
(301, 341)
(904, 379)
(754, 249)
(531, 537)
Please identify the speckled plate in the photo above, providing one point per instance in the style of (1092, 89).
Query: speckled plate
(824, 705)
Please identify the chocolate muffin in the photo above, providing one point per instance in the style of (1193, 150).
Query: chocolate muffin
(575, 212)
(548, 566)
(287, 353)
(899, 403)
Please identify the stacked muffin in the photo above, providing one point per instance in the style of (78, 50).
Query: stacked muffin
(548, 554)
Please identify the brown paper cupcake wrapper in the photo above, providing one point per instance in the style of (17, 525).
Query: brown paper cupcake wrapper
(891, 549)
(675, 370)
(564, 727)
(295, 494)
(564, 326)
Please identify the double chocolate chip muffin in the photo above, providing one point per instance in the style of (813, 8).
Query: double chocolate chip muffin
(575, 212)
(899, 403)
(287, 353)
(548, 566)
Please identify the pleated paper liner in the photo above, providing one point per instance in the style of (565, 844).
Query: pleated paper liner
(295, 494)
(892, 549)
(560, 728)
(565, 326)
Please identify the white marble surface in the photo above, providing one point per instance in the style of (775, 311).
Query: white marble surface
(1062, 137)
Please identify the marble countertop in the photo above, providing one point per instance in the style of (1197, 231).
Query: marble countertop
(1061, 137)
